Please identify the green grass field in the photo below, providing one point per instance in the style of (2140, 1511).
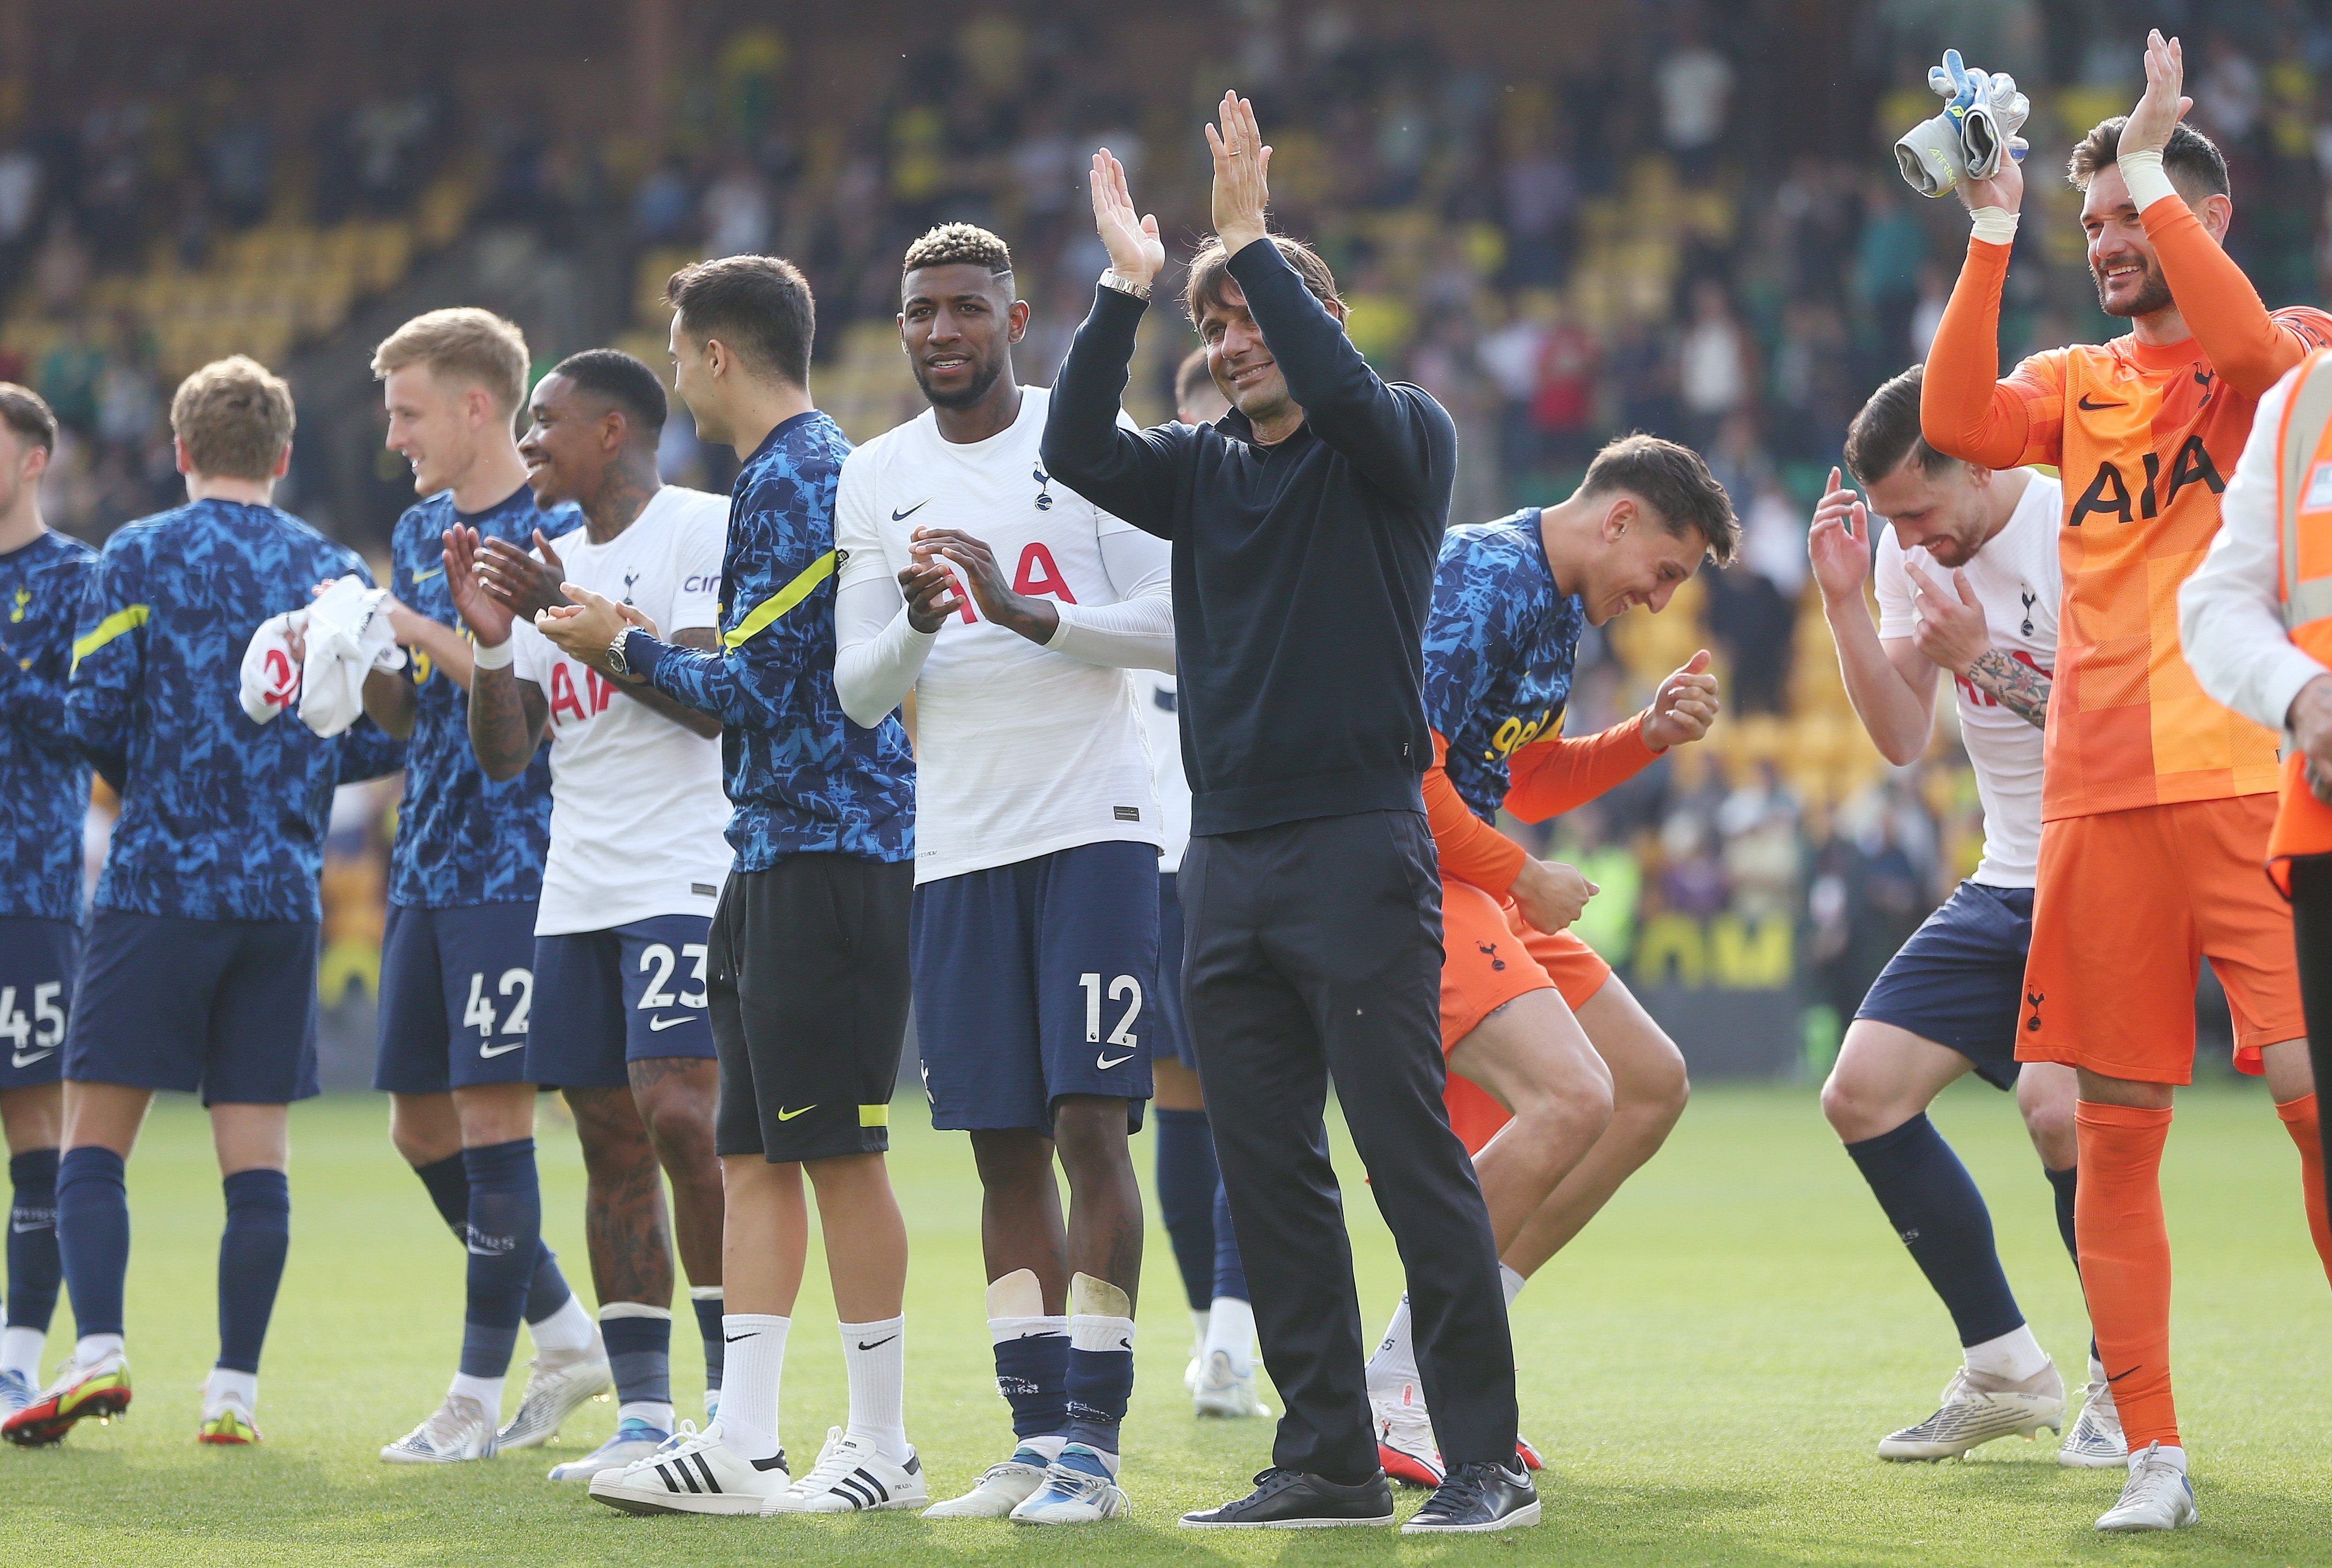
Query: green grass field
(1707, 1370)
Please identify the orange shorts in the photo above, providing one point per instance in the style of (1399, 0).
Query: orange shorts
(1490, 956)
(2127, 906)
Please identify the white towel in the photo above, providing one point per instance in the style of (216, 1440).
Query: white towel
(347, 638)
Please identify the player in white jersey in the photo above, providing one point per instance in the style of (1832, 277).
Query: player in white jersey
(637, 857)
(1983, 607)
(1191, 1203)
(1013, 608)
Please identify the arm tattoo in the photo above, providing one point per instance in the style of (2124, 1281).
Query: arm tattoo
(506, 719)
(2019, 688)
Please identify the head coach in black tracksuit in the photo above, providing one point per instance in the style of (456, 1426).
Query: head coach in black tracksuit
(1305, 524)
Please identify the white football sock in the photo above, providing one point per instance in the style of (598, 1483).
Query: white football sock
(93, 1348)
(756, 1358)
(1230, 1328)
(1512, 1281)
(20, 1351)
(487, 1392)
(875, 1356)
(1200, 1317)
(226, 1382)
(1394, 1364)
(2170, 1451)
(567, 1333)
(656, 1413)
(2015, 1355)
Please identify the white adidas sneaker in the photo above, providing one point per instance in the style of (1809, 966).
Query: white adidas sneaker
(1978, 1407)
(696, 1473)
(851, 1475)
(554, 1388)
(2095, 1440)
(1225, 1393)
(2156, 1496)
(1003, 1488)
(460, 1428)
(1078, 1489)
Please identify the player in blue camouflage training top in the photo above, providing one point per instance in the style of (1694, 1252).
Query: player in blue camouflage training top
(807, 973)
(198, 972)
(44, 799)
(457, 954)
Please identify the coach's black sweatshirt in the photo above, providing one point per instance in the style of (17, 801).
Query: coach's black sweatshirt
(1303, 570)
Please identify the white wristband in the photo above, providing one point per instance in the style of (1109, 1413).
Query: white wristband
(2143, 172)
(494, 655)
(1994, 225)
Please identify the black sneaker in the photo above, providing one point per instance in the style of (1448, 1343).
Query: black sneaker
(1477, 1497)
(1292, 1500)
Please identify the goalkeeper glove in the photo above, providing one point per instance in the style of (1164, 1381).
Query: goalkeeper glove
(1933, 154)
(1989, 124)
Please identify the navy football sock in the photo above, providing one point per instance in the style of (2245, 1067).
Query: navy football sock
(1935, 1207)
(251, 1263)
(1033, 1372)
(638, 1338)
(2064, 1183)
(93, 1236)
(708, 1326)
(505, 1241)
(34, 1271)
(1187, 1178)
(1230, 1273)
(448, 1180)
(1100, 1379)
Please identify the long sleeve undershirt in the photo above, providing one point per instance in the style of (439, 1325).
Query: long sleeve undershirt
(1546, 778)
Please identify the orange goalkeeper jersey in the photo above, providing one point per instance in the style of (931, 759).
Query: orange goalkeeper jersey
(2145, 437)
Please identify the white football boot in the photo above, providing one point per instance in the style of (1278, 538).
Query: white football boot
(696, 1473)
(554, 1388)
(1078, 1489)
(2095, 1441)
(1978, 1407)
(1405, 1442)
(2156, 1496)
(461, 1429)
(851, 1475)
(1003, 1488)
(633, 1441)
(1223, 1391)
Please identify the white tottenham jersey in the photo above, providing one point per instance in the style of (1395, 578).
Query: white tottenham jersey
(2015, 577)
(1019, 750)
(1154, 692)
(637, 812)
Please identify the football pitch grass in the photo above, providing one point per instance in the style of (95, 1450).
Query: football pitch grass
(1706, 1370)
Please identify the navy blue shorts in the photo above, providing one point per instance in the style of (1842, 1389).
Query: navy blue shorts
(36, 982)
(1037, 980)
(1170, 970)
(226, 1006)
(1959, 981)
(611, 998)
(456, 990)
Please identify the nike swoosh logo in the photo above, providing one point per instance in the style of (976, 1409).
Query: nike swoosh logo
(29, 1230)
(2116, 1377)
(902, 516)
(863, 1345)
(26, 1058)
(421, 577)
(733, 1338)
(2093, 407)
(490, 1052)
(786, 1116)
(1105, 1063)
(658, 1024)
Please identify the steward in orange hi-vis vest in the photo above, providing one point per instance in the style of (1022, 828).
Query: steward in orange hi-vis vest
(2303, 518)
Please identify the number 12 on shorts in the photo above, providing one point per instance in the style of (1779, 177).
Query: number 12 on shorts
(1125, 988)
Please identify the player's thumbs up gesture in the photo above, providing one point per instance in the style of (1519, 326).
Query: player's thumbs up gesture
(1684, 707)
(1951, 630)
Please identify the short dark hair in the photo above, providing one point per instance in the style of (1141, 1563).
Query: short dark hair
(1211, 268)
(26, 413)
(1673, 482)
(1887, 432)
(621, 379)
(760, 306)
(959, 245)
(2191, 159)
(1190, 375)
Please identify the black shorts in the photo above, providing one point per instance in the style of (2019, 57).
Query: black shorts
(808, 993)
(1960, 980)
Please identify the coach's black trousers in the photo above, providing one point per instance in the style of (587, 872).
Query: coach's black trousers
(2311, 930)
(1313, 951)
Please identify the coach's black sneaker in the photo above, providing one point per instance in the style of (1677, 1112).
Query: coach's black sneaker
(1478, 1496)
(1292, 1500)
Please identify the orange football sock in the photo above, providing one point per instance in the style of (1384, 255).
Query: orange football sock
(2125, 1261)
(2300, 1121)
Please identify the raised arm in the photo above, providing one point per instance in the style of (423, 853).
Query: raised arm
(1965, 409)
(1550, 777)
(1889, 682)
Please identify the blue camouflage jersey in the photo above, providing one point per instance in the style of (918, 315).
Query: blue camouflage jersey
(1499, 646)
(462, 839)
(802, 778)
(221, 818)
(43, 781)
